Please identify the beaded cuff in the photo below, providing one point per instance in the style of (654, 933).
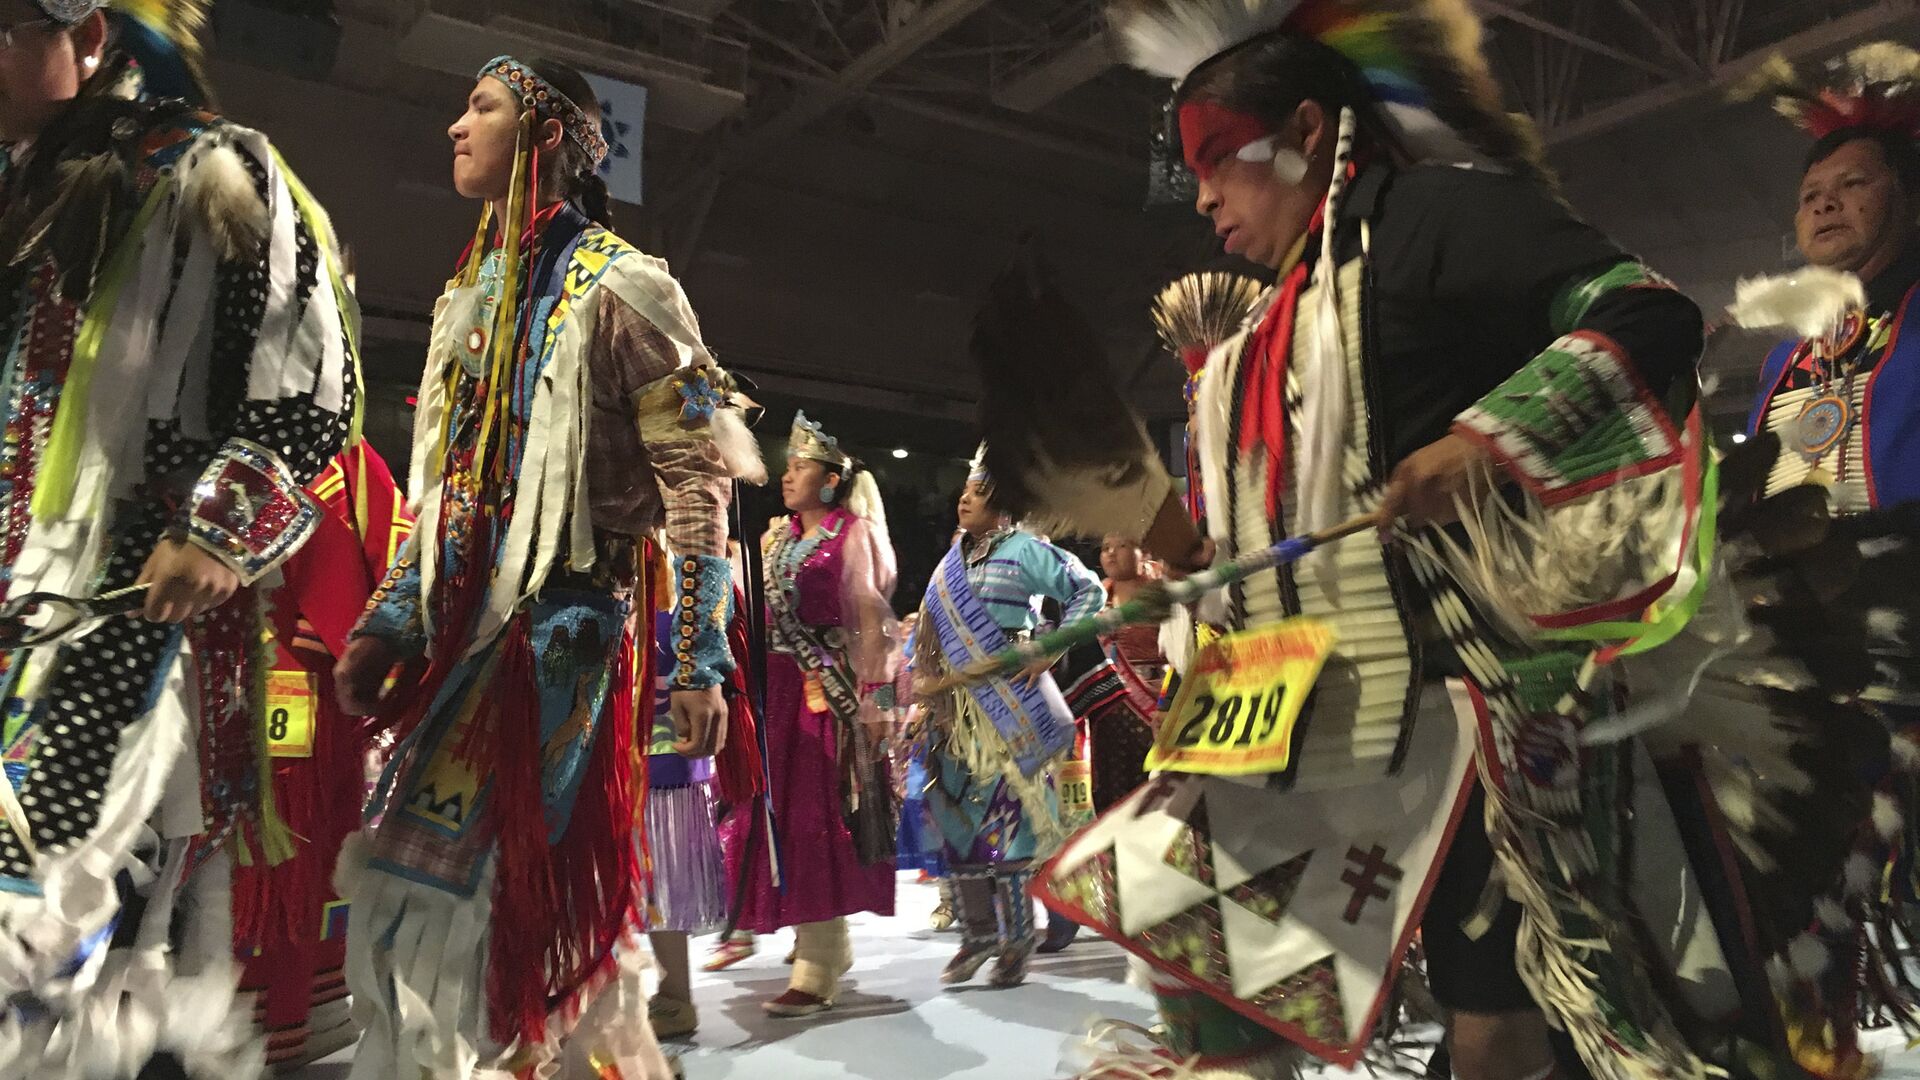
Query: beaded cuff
(1575, 419)
(702, 657)
(393, 611)
(248, 511)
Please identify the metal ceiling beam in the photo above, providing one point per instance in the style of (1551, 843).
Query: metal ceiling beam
(1663, 36)
(1580, 41)
(825, 96)
(1042, 83)
(1827, 36)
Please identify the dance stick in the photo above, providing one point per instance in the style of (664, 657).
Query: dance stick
(70, 614)
(1155, 602)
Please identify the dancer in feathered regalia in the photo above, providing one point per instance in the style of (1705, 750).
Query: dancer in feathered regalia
(1833, 469)
(177, 363)
(569, 412)
(1442, 328)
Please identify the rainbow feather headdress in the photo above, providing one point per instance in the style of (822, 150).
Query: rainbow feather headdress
(1421, 58)
(161, 36)
(1875, 87)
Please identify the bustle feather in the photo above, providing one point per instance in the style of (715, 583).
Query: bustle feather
(1199, 311)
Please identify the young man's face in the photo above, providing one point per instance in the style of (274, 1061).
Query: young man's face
(43, 69)
(483, 141)
(1853, 214)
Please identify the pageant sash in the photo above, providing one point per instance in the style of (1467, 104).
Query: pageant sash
(1032, 718)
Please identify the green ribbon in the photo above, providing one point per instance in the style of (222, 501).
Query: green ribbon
(1665, 622)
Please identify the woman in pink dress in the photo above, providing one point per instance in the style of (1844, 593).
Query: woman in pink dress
(831, 661)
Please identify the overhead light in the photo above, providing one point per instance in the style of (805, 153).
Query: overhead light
(900, 454)
(1739, 437)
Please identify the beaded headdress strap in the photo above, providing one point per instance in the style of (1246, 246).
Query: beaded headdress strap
(68, 12)
(548, 103)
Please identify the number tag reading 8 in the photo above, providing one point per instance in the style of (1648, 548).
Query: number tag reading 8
(289, 714)
(1236, 711)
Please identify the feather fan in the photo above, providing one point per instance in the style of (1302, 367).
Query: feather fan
(1065, 452)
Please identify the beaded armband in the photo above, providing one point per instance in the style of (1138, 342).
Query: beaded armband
(393, 611)
(701, 612)
(1575, 419)
(248, 511)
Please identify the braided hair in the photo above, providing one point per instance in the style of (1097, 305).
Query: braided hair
(570, 171)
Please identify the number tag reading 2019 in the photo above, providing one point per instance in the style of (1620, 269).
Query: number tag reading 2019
(1237, 708)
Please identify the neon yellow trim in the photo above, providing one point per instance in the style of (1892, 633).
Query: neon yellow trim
(60, 467)
(1663, 622)
(317, 222)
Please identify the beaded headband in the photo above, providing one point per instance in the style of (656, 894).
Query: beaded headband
(546, 101)
(68, 12)
(810, 442)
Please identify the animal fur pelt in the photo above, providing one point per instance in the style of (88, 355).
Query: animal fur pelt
(1066, 454)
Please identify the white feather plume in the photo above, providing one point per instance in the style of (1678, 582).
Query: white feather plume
(739, 450)
(1170, 40)
(1887, 819)
(1810, 301)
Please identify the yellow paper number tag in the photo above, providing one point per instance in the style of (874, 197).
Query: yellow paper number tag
(1074, 781)
(289, 714)
(1237, 708)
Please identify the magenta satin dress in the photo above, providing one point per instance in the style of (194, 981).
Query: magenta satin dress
(822, 877)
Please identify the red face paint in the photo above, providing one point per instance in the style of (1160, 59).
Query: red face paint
(1209, 132)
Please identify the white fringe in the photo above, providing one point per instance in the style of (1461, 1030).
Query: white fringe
(1811, 301)
(739, 450)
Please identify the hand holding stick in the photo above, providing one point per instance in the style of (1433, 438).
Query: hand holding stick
(1152, 605)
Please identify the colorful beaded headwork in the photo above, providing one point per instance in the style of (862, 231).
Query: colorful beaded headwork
(813, 444)
(548, 103)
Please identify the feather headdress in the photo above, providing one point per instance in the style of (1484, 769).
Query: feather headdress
(162, 37)
(1421, 58)
(1876, 87)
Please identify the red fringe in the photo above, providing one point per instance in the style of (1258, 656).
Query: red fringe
(739, 770)
(524, 896)
(277, 908)
(567, 904)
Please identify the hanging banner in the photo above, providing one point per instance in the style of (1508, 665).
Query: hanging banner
(623, 120)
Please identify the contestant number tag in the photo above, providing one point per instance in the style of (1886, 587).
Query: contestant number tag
(1237, 709)
(1074, 779)
(289, 714)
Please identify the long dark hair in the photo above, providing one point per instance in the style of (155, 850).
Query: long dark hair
(571, 172)
(1268, 77)
(1902, 156)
